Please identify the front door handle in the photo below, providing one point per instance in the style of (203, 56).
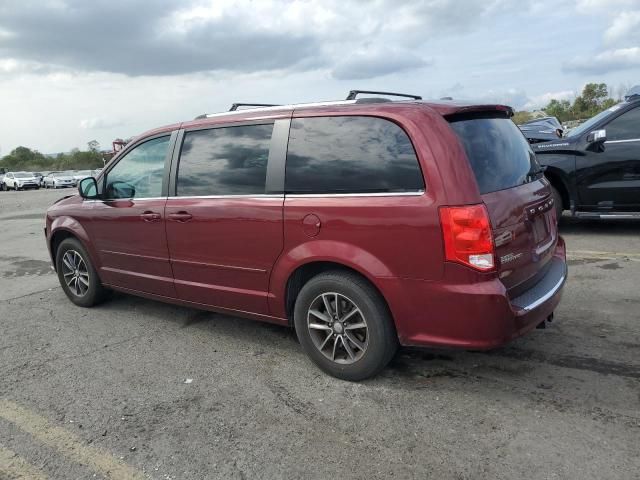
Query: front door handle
(150, 216)
(180, 216)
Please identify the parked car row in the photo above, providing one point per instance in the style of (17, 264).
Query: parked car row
(36, 180)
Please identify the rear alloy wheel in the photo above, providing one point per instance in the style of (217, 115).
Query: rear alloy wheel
(344, 326)
(77, 276)
(338, 328)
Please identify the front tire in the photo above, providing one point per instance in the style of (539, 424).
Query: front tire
(344, 326)
(77, 275)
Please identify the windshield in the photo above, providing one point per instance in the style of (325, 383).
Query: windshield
(84, 172)
(23, 174)
(576, 132)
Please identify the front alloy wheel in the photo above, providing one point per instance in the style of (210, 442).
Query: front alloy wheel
(78, 277)
(75, 273)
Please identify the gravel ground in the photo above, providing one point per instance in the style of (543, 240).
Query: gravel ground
(138, 389)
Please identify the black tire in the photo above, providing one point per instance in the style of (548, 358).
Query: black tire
(381, 337)
(557, 201)
(95, 293)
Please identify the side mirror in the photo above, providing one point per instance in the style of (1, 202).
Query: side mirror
(597, 136)
(88, 188)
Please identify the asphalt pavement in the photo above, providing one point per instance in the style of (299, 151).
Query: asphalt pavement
(139, 389)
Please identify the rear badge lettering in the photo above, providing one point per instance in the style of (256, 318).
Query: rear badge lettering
(509, 257)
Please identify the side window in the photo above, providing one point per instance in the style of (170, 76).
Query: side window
(140, 172)
(625, 127)
(350, 155)
(224, 161)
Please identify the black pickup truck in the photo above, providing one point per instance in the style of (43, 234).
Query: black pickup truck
(595, 169)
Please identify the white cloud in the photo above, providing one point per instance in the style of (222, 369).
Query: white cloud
(98, 123)
(69, 74)
(624, 28)
(606, 61)
(376, 63)
(608, 6)
(542, 100)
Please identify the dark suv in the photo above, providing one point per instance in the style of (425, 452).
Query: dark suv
(595, 169)
(362, 223)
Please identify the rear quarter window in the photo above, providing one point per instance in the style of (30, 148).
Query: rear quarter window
(350, 154)
(499, 154)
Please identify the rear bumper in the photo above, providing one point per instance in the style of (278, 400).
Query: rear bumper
(470, 310)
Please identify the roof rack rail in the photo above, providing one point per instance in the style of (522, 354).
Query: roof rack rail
(354, 93)
(235, 106)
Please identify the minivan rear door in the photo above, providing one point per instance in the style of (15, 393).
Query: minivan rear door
(517, 196)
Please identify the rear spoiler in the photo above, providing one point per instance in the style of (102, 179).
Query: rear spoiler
(479, 111)
(454, 108)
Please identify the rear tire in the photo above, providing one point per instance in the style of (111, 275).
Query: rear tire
(77, 275)
(352, 342)
(557, 201)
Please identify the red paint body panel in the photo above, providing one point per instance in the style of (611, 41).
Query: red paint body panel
(133, 251)
(223, 256)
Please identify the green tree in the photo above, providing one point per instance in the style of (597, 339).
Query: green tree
(591, 102)
(561, 109)
(521, 117)
(23, 158)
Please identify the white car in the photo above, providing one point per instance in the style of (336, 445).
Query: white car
(58, 180)
(20, 180)
(80, 174)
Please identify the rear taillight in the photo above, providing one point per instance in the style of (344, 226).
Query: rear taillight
(467, 236)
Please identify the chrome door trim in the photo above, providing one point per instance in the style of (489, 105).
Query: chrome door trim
(417, 193)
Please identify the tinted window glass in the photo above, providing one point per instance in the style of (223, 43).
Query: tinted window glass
(140, 172)
(625, 127)
(225, 161)
(350, 155)
(499, 154)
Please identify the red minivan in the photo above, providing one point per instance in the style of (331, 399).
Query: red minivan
(365, 224)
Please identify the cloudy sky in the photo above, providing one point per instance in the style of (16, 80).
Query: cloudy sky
(76, 70)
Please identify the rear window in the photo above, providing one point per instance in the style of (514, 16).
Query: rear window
(499, 154)
(350, 154)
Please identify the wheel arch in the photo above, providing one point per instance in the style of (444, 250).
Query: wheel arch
(67, 227)
(303, 273)
(557, 181)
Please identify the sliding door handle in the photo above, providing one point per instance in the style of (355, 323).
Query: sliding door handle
(149, 216)
(180, 216)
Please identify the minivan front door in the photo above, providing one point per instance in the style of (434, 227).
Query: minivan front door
(128, 224)
(224, 230)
